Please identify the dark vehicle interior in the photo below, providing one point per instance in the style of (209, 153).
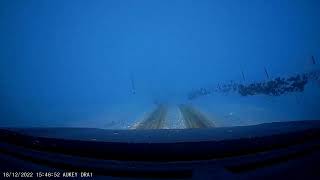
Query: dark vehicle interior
(265, 151)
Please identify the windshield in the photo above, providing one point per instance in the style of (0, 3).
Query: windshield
(158, 64)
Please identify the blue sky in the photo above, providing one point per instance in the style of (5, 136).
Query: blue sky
(74, 58)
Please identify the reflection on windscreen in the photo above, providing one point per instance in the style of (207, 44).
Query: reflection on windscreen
(158, 64)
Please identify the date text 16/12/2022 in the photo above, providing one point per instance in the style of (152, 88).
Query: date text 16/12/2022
(47, 174)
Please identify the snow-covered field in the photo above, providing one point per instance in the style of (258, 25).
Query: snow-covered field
(235, 110)
(223, 109)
